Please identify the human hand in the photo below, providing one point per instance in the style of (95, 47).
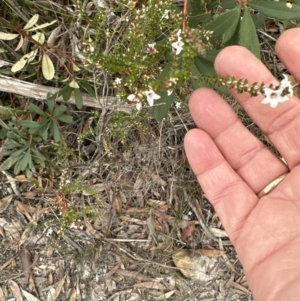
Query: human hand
(233, 166)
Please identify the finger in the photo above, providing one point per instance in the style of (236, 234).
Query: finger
(249, 157)
(288, 50)
(280, 124)
(231, 197)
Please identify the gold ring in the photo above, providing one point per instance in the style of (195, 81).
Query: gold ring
(271, 186)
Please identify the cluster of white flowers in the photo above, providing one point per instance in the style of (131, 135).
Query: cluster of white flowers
(178, 44)
(150, 95)
(273, 97)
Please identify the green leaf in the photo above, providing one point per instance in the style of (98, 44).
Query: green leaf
(59, 111)
(29, 124)
(65, 118)
(38, 157)
(221, 24)
(67, 93)
(277, 10)
(248, 36)
(194, 7)
(205, 65)
(78, 98)
(28, 174)
(24, 161)
(10, 161)
(86, 86)
(259, 19)
(35, 109)
(50, 104)
(4, 125)
(163, 104)
(229, 33)
(228, 4)
(203, 19)
(56, 132)
(52, 96)
(19, 152)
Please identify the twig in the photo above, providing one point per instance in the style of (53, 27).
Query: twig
(39, 92)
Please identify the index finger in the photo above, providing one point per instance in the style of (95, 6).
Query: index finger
(281, 124)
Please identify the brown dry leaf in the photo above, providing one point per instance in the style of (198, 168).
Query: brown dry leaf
(29, 297)
(165, 296)
(158, 180)
(134, 275)
(58, 288)
(137, 210)
(117, 204)
(23, 208)
(21, 178)
(27, 233)
(218, 232)
(156, 203)
(151, 284)
(5, 202)
(26, 260)
(138, 192)
(187, 232)
(210, 253)
(193, 265)
(2, 297)
(15, 290)
(295, 84)
(73, 295)
(5, 264)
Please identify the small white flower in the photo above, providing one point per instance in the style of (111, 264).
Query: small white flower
(169, 92)
(177, 105)
(273, 97)
(151, 96)
(178, 33)
(178, 45)
(151, 45)
(118, 80)
(165, 14)
(131, 97)
(138, 105)
(285, 83)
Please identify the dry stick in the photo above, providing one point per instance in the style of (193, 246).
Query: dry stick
(39, 92)
(199, 217)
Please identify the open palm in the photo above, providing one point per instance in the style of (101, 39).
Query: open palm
(232, 166)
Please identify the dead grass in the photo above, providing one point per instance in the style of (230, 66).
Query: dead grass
(104, 220)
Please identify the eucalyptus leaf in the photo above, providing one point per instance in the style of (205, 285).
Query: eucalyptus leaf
(47, 67)
(42, 25)
(32, 21)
